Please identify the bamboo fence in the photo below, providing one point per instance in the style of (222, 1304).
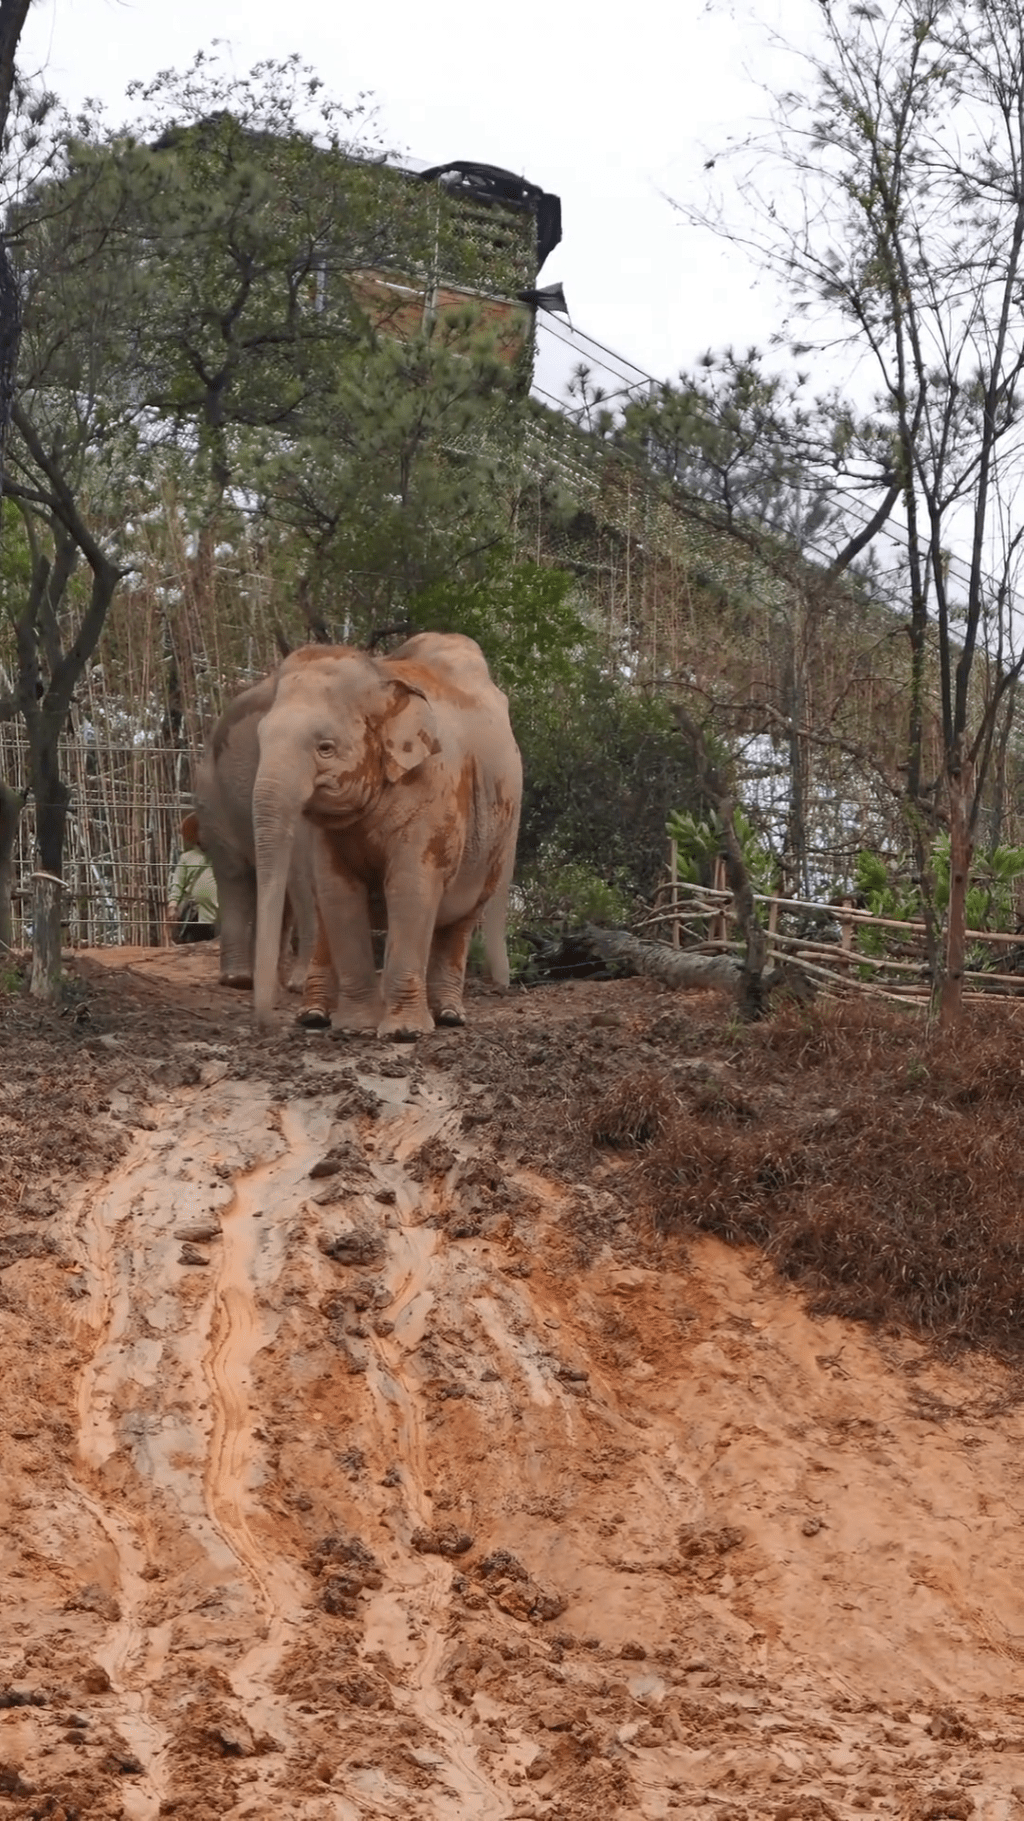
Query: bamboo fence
(703, 916)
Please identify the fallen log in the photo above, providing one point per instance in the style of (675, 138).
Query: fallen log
(681, 967)
(672, 966)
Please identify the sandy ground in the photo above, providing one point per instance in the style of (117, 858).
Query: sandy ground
(357, 1466)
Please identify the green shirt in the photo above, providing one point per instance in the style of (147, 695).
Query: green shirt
(192, 882)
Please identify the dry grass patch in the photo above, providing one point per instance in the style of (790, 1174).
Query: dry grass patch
(882, 1171)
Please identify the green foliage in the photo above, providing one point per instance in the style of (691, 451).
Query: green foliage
(989, 901)
(551, 898)
(699, 842)
(888, 893)
(567, 896)
(207, 281)
(884, 895)
(604, 766)
(402, 482)
(753, 444)
(524, 617)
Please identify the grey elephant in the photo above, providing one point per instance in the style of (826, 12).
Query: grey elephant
(407, 770)
(223, 815)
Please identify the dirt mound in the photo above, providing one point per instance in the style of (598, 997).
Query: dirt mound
(375, 1446)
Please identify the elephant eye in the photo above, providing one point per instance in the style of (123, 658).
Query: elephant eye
(327, 747)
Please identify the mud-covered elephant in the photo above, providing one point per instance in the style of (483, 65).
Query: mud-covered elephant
(408, 771)
(224, 830)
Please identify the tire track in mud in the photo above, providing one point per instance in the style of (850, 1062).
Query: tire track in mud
(237, 1334)
(134, 1652)
(409, 1273)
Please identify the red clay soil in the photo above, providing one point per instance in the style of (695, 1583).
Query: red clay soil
(381, 1435)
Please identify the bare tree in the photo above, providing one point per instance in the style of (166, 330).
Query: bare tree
(904, 236)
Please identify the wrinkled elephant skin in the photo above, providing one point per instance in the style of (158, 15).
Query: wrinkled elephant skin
(408, 772)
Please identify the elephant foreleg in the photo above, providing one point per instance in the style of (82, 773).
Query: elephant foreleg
(344, 917)
(320, 990)
(413, 904)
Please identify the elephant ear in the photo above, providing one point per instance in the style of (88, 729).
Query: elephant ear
(409, 733)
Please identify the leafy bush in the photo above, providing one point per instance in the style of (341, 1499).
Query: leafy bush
(699, 842)
(567, 895)
(888, 892)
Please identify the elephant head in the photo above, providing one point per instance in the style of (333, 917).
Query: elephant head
(341, 731)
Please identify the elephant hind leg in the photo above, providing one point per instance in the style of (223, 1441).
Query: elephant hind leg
(446, 973)
(237, 916)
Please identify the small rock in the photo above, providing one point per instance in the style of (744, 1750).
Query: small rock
(573, 1374)
(11, 1781)
(539, 1766)
(327, 1166)
(464, 1226)
(503, 1563)
(942, 1805)
(234, 1739)
(811, 1525)
(547, 1604)
(16, 1694)
(94, 1598)
(448, 1540)
(361, 1246)
(191, 1255)
(95, 1680)
(633, 1651)
(204, 1231)
(127, 1764)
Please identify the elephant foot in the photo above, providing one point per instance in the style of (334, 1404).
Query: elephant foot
(358, 1020)
(450, 1015)
(314, 1018)
(241, 980)
(405, 1027)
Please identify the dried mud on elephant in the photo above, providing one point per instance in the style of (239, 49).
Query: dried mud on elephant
(368, 1451)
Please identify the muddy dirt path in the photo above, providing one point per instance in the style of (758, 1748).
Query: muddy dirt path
(337, 1487)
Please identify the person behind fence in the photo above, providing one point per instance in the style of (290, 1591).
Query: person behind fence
(192, 896)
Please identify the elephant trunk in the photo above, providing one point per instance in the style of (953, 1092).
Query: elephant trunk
(275, 810)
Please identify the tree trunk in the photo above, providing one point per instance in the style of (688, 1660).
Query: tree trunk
(672, 966)
(47, 904)
(51, 800)
(961, 850)
(10, 814)
(794, 706)
(681, 967)
(995, 827)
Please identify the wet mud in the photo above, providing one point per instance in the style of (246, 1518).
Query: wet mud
(340, 1484)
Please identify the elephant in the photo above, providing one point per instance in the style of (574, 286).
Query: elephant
(407, 770)
(224, 830)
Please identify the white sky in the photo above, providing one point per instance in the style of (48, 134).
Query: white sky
(609, 106)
